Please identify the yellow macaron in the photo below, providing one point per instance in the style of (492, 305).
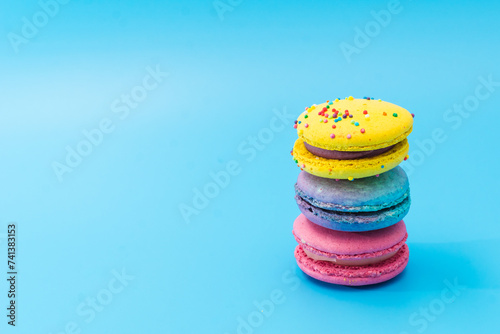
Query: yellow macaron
(352, 138)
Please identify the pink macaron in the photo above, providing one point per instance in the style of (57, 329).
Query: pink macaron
(350, 258)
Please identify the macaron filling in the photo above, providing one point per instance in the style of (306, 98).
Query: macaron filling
(347, 262)
(344, 155)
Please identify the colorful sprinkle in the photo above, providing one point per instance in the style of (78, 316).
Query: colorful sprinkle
(395, 115)
(382, 166)
(350, 178)
(300, 122)
(356, 123)
(350, 116)
(367, 117)
(377, 175)
(321, 120)
(344, 116)
(384, 113)
(334, 126)
(326, 115)
(332, 135)
(350, 98)
(352, 122)
(365, 112)
(325, 121)
(362, 130)
(349, 136)
(306, 125)
(305, 116)
(413, 115)
(336, 179)
(406, 158)
(295, 126)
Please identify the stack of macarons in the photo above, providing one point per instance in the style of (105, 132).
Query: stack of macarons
(352, 194)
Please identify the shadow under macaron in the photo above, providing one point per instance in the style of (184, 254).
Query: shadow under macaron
(434, 266)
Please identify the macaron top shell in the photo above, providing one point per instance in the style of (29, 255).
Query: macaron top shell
(347, 243)
(369, 125)
(366, 194)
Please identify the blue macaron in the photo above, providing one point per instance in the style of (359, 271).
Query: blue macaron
(354, 206)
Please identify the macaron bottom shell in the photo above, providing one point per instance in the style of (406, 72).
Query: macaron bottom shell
(353, 275)
(349, 169)
(354, 221)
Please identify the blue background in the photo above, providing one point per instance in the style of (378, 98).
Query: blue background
(119, 209)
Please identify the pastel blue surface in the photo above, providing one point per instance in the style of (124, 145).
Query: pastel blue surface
(163, 203)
